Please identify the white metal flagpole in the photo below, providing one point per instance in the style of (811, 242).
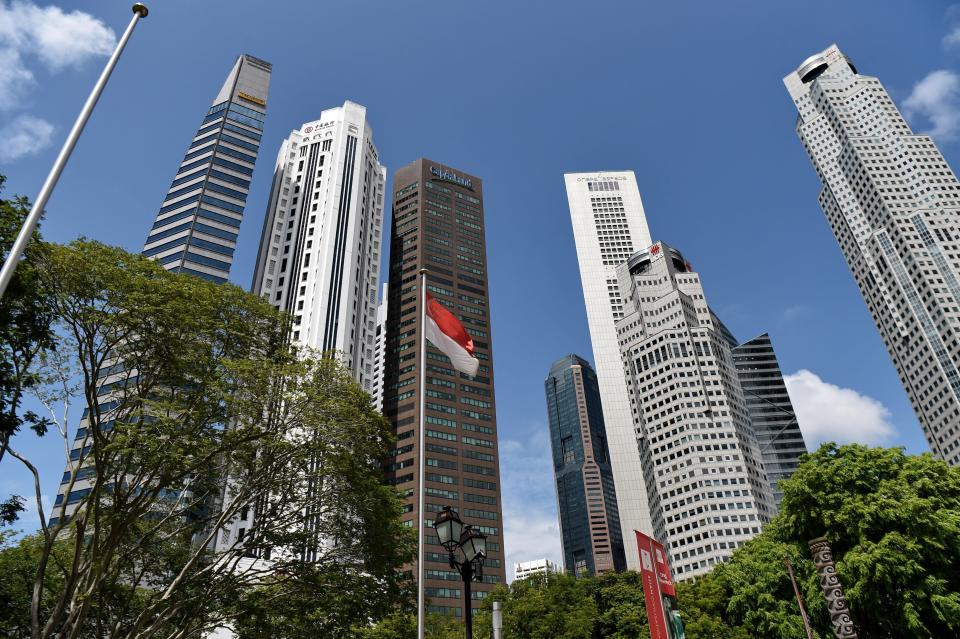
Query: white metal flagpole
(30, 224)
(421, 603)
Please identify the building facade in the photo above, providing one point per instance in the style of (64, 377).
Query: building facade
(609, 226)
(586, 496)
(707, 488)
(891, 201)
(196, 228)
(380, 350)
(771, 411)
(438, 225)
(319, 257)
(525, 569)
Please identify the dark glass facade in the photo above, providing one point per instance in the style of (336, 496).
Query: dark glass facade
(586, 497)
(195, 230)
(197, 225)
(771, 412)
(438, 225)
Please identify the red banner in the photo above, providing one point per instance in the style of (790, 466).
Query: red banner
(663, 569)
(649, 572)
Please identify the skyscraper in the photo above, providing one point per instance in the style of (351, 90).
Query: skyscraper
(438, 224)
(196, 228)
(608, 227)
(542, 566)
(586, 497)
(380, 350)
(771, 411)
(319, 256)
(892, 202)
(707, 488)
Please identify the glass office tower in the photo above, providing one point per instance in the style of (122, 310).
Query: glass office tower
(586, 497)
(196, 228)
(771, 411)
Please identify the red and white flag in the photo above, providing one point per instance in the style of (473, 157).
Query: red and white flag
(445, 331)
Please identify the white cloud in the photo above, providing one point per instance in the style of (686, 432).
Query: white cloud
(794, 312)
(827, 412)
(56, 38)
(15, 79)
(531, 529)
(936, 99)
(25, 135)
(952, 39)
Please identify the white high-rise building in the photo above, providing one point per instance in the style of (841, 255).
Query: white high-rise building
(893, 204)
(523, 569)
(703, 469)
(609, 226)
(319, 254)
(380, 350)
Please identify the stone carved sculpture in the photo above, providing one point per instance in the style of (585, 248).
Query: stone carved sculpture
(832, 590)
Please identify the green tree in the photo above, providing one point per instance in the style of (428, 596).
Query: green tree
(403, 625)
(197, 413)
(559, 605)
(893, 522)
(25, 332)
(546, 606)
(703, 608)
(18, 568)
(758, 596)
(621, 606)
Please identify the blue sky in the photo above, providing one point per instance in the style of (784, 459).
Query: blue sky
(686, 94)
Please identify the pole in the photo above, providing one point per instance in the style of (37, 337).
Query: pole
(796, 591)
(467, 573)
(421, 604)
(497, 621)
(30, 224)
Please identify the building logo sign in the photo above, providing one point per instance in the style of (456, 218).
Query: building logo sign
(450, 176)
(608, 178)
(251, 98)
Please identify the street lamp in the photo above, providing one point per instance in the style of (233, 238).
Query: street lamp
(472, 546)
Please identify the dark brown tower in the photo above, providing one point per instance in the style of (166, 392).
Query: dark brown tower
(438, 225)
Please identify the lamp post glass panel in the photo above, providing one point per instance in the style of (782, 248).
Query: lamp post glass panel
(467, 548)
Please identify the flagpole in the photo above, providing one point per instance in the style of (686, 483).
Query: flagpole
(26, 231)
(421, 604)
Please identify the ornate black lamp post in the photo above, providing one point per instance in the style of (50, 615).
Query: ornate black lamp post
(467, 548)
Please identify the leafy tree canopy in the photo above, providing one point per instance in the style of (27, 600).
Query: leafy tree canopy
(25, 332)
(197, 414)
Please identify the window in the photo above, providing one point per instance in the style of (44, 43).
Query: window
(566, 449)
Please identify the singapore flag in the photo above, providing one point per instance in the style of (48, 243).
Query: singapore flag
(445, 331)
